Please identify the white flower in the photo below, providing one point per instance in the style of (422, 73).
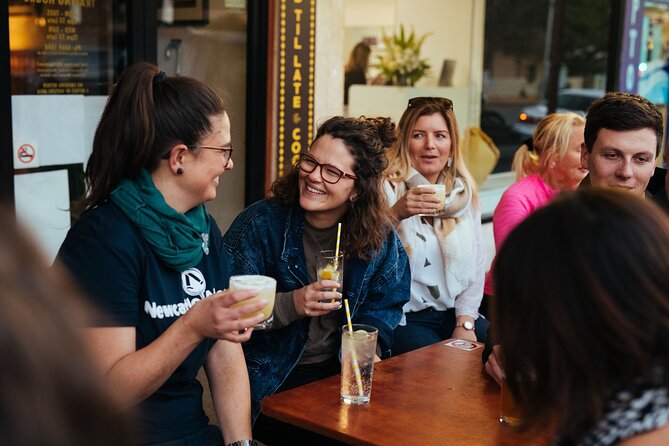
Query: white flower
(401, 60)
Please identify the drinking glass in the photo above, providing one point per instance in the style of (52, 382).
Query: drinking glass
(357, 363)
(266, 288)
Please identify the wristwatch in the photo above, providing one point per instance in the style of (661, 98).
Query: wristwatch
(243, 443)
(467, 325)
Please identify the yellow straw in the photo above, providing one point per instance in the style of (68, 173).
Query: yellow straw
(356, 367)
(337, 246)
(336, 259)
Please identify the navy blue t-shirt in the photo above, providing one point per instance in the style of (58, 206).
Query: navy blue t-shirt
(117, 268)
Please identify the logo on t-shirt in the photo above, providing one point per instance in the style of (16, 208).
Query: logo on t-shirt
(193, 282)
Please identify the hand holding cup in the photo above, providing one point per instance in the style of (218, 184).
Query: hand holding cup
(225, 315)
(424, 199)
(317, 299)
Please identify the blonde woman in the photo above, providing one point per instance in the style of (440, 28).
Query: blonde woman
(446, 251)
(551, 162)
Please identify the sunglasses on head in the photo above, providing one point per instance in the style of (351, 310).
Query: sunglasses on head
(443, 103)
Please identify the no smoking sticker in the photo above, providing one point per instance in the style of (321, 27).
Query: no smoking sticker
(26, 156)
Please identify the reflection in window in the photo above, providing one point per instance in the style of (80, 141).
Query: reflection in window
(516, 55)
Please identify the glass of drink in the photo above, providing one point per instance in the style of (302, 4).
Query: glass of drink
(440, 194)
(266, 288)
(330, 267)
(509, 412)
(357, 363)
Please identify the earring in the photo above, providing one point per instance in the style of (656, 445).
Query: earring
(352, 198)
(449, 163)
(180, 171)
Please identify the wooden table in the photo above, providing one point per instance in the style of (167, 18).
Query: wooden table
(438, 395)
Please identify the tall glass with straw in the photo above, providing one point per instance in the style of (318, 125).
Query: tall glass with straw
(358, 345)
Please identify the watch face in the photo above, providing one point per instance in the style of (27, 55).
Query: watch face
(468, 325)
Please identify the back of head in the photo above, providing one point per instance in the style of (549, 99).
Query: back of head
(622, 112)
(549, 144)
(367, 139)
(146, 114)
(50, 392)
(587, 278)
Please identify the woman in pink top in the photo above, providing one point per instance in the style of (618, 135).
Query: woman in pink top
(551, 162)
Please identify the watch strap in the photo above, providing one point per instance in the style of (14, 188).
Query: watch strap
(243, 443)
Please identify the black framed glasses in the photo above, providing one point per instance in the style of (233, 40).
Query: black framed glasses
(329, 173)
(443, 103)
(226, 151)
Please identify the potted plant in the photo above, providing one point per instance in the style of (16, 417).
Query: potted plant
(400, 61)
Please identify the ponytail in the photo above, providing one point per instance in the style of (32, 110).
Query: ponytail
(146, 114)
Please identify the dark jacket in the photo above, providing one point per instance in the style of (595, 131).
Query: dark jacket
(267, 239)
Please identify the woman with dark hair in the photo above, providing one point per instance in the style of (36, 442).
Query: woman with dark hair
(50, 390)
(355, 71)
(337, 181)
(582, 316)
(146, 250)
(445, 246)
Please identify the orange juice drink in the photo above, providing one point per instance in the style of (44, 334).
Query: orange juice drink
(330, 267)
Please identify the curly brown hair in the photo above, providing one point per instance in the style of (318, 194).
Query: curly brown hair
(368, 219)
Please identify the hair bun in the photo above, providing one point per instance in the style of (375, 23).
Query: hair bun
(384, 128)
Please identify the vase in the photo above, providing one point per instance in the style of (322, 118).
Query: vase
(402, 80)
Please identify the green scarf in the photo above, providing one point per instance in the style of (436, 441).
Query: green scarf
(178, 239)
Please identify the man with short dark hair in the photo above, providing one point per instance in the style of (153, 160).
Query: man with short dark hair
(623, 133)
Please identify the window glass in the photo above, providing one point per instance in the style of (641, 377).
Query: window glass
(207, 40)
(517, 47)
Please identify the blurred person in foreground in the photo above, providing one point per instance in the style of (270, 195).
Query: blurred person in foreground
(446, 250)
(50, 391)
(582, 316)
(148, 252)
(337, 181)
(623, 138)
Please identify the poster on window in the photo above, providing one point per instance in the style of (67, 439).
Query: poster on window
(60, 47)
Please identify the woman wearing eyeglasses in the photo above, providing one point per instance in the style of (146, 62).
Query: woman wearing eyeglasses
(338, 181)
(445, 247)
(148, 253)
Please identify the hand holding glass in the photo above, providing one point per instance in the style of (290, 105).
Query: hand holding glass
(330, 267)
(266, 288)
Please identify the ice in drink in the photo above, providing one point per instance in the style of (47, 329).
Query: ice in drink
(330, 267)
(358, 352)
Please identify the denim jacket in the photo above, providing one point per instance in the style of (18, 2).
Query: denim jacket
(266, 238)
